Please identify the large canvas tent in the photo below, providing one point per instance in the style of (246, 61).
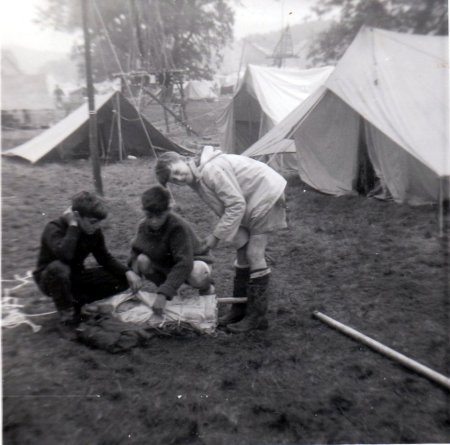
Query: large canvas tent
(264, 97)
(382, 115)
(122, 131)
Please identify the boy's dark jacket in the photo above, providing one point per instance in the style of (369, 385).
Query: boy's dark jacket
(172, 250)
(72, 246)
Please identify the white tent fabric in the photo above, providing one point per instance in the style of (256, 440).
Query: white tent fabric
(399, 83)
(201, 90)
(389, 94)
(264, 97)
(69, 137)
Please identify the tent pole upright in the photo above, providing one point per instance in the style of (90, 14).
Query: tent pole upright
(119, 128)
(93, 142)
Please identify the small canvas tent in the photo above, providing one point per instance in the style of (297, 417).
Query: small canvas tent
(201, 90)
(122, 131)
(264, 97)
(382, 114)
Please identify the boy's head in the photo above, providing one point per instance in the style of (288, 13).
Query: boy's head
(89, 205)
(90, 210)
(172, 167)
(156, 206)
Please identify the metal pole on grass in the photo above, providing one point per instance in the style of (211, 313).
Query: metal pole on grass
(93, 143)
(379, 347)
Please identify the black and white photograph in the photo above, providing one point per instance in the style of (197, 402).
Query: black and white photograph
(225, 222)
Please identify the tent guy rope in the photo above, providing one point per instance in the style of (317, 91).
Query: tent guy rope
(12, 315)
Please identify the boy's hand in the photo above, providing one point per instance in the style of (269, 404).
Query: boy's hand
(71, 217)
(134, 281)
(211, 242)
(159, 304)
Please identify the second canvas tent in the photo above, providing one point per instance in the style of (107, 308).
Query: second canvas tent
(380, 122)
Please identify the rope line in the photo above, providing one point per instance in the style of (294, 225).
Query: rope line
(12, 316)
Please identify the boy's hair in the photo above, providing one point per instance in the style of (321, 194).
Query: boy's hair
(165, 161)
(156, 199)
(90, 205)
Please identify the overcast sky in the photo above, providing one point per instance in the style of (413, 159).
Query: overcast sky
(252, 16)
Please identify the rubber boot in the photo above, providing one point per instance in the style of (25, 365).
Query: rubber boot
(68, 322)
(255, 318)
(237, 311)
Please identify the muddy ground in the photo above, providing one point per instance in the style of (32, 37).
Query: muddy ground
(379, 267)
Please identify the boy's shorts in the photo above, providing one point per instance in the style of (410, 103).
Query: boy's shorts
(274, 219)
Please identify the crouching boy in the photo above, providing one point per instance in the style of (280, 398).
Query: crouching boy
(248, 196)
(65, 244)
(166, 250)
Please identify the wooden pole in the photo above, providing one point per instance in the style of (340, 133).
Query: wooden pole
(93, 143)
(183, 108)
(119, 128)
(388, 352)
(169, 111)
(230, 300)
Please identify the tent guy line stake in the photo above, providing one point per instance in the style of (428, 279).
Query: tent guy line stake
(379, 347)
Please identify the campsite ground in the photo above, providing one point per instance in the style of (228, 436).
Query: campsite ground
(377, 266)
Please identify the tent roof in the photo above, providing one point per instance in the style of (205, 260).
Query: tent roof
(279, 90)
(270, 142)
(38, 147)
(399, 83)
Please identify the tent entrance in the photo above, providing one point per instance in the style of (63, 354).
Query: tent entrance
(248, 116)
(366, 182)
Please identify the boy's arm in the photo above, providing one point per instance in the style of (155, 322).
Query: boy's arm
(62, 241)
(132, 257)
(183, 255)
(135, 251)
(105, 259)
(226, 188)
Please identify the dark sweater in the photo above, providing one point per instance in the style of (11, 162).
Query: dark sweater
(72, 246)
(172, 250)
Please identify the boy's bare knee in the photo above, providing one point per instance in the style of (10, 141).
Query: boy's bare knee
(200, 276)
(142, 265)
(240, 239)
(256, 250)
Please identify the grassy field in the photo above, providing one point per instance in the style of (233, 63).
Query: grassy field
(377, 266)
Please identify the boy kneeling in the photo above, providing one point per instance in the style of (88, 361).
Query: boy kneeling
(65, 244)
(166, 250)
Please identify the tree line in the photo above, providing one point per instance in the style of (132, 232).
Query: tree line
(160, 35)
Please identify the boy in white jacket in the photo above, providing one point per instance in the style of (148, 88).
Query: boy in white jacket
(248, 196)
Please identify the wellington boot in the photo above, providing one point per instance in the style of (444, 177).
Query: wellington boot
(256, 307)
(237, 311)
(249, 323)
(68, 331)
(68, 322)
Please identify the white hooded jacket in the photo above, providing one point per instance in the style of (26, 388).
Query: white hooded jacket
(237, 188)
